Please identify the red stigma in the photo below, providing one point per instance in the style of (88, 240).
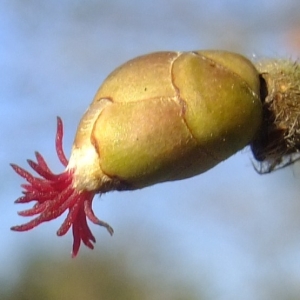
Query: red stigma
(54, 194)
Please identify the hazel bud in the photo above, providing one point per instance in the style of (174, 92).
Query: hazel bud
(171, 115)
(159, 117)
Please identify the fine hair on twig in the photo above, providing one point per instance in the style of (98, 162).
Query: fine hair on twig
(277, 143)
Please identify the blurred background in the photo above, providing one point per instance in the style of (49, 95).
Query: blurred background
(226, 234)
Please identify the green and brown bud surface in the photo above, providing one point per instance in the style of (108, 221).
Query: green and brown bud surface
(170, 115)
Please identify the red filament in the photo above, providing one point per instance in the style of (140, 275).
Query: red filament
(54, 194)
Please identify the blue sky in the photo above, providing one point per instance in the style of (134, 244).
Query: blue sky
(229, 227)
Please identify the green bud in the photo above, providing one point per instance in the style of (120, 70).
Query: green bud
(171, 115)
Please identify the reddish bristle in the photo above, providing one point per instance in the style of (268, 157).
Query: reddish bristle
(91, 216)
(37, 208)
(54, 194)
(41, 171)
(58, 143)
(42, 162)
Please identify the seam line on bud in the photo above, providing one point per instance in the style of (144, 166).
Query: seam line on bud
(182, 103)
